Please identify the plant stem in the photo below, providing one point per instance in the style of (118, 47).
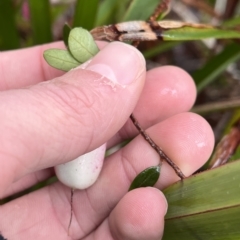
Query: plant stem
(71, 210)
(217, 106)
(156, 147)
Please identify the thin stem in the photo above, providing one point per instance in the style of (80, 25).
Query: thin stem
(156, 147)
(71, 210)
(217, 106)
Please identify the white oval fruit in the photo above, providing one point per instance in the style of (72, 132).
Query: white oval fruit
(83, 171)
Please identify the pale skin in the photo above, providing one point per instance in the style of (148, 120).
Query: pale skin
(48, 117)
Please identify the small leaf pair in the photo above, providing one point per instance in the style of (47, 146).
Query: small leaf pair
(81, 47)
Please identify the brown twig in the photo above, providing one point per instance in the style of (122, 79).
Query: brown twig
(162, 6)
(156, 147)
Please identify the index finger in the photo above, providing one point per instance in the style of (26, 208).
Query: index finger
(23, 67)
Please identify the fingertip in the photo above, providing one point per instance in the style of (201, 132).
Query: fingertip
(139, 215)
(168, 91)
(201, 139)
(189, 140)
(179, 83)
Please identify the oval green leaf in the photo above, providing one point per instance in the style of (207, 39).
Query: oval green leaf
(81, 44)
(146, 178)
(205, 206)
(60, 59)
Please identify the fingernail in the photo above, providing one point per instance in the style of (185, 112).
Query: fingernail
(120, 63)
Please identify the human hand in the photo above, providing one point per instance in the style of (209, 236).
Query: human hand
(45, 123)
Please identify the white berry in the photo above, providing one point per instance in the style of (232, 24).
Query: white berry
(83, 171)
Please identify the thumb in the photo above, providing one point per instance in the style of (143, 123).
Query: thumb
(108, 88)
(58, 120)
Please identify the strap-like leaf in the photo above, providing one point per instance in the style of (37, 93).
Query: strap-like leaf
(205, 206)
(140, 10)
(9, 37)
(85, 13)
(41, 21)
(216, 65)
(195, 33)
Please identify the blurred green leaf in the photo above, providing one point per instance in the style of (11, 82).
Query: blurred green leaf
(85, 13)
(106, 12)
(66, 32)
(205, 206)
(41, 21)
(146, 178)
(140, 10)
(82, 45)
(233, 22)
(193, 33)
(60, 59)
(236, 155)
(234, 118)
(160, 48)
(9, 38)
(204, 109)
(216, 65)
(121, 9)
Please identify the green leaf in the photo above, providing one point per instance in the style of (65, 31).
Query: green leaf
(41, 21)
(81, 44)
(194, 33)
(236, 155)
(140, 10)
(107, 11)
(85, 13)
(66, 32)
(121, 9)
(147, 178)
(160, 48)
(9, 38)
(60, 59)
(235, 116)
(233, 22)
(215, 66)
(205, 206)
